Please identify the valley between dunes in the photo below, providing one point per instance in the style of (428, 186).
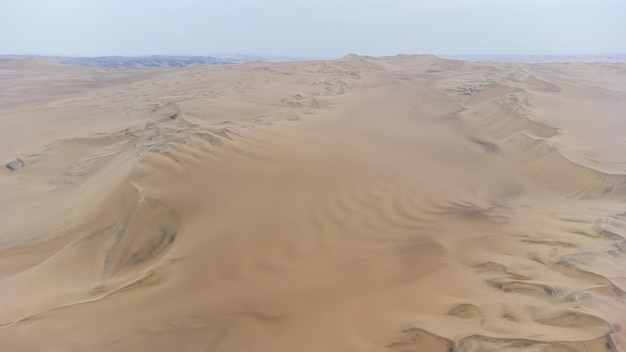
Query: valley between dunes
(405, 203)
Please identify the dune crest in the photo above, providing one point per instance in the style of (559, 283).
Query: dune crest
(406, 203)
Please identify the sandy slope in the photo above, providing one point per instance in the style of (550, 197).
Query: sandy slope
(394, 204)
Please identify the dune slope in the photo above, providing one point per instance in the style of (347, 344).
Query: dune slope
(406, 203)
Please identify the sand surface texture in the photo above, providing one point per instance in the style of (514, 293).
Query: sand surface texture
(407, 203)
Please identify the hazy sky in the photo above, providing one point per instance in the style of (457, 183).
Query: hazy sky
(312, 28)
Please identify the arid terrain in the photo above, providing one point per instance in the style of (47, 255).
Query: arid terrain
(405, 203)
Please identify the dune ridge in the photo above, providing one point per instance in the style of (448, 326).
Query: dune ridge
(406, 203)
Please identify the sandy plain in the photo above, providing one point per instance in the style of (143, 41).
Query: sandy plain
(405, 203)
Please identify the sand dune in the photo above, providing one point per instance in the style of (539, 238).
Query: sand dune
(404, 203)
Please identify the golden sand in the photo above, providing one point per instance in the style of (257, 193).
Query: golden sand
(406, 203)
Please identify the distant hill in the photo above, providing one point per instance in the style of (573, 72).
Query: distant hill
(27, 63)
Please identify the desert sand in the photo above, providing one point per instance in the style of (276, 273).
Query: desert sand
(405, 203)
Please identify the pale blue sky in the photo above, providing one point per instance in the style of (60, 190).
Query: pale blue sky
(311, 28)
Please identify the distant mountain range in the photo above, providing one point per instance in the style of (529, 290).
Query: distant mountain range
(182, 61)
(152, 61)
(540, 58)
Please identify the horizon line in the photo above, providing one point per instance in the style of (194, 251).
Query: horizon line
(301, 56)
